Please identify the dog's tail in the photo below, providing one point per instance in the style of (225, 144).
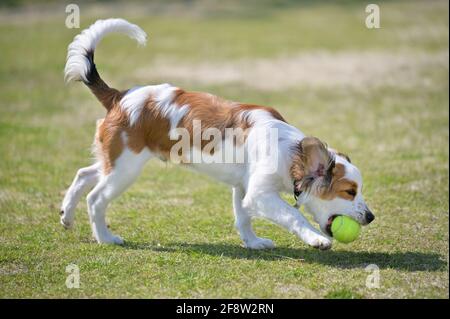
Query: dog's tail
(80, 56)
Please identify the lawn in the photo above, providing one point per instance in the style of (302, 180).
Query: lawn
(380, 95)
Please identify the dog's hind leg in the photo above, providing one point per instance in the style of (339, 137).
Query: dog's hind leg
(85, 178)
(125, 171)
(244, 225)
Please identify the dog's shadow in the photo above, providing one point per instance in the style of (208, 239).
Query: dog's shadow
(409, 261)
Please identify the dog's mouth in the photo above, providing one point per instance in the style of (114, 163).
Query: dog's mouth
(328, 225)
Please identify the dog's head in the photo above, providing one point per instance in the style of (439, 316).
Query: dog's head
(328, 184)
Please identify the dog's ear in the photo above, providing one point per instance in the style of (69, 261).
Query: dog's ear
(316, 160)
(340, 154)
(311, 160)
(344, 156)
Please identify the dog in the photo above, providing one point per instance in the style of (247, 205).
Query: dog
(141, 124)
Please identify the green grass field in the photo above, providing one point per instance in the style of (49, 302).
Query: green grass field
(380, 95)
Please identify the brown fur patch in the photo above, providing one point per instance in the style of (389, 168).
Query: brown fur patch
(152, 129)
(110, 143)
(215, 112)
(339, 186)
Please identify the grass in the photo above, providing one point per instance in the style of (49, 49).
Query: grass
(178, 225)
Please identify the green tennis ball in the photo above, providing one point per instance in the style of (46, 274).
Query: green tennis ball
(345, 229)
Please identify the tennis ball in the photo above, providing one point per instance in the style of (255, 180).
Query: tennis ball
(345, 229)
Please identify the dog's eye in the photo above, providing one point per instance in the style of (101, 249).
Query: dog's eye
(351, 192)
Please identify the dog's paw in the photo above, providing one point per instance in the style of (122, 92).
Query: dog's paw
(111, 240)
(259, 243)
(66, 222)
(321, 243)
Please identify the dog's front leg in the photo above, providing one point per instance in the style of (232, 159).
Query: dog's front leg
(244, 225)
(274, 208)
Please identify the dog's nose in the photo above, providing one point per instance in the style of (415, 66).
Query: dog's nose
(369, 216)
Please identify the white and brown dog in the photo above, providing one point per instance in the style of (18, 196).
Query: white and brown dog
(142, 123)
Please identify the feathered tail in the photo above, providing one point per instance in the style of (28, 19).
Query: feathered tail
(80, 56)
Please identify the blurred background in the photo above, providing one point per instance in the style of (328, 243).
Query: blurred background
(380, 95)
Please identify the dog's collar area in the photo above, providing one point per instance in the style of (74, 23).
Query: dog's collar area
(297, 194)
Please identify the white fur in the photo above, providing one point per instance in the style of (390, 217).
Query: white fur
(176, 113)
(134, 101)
(126, 170)
(255, 190)
(259, 116)
(244, 225)
(86, 177)
(256, 183)
(256, 186)
(77, 65)
(169, 109)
